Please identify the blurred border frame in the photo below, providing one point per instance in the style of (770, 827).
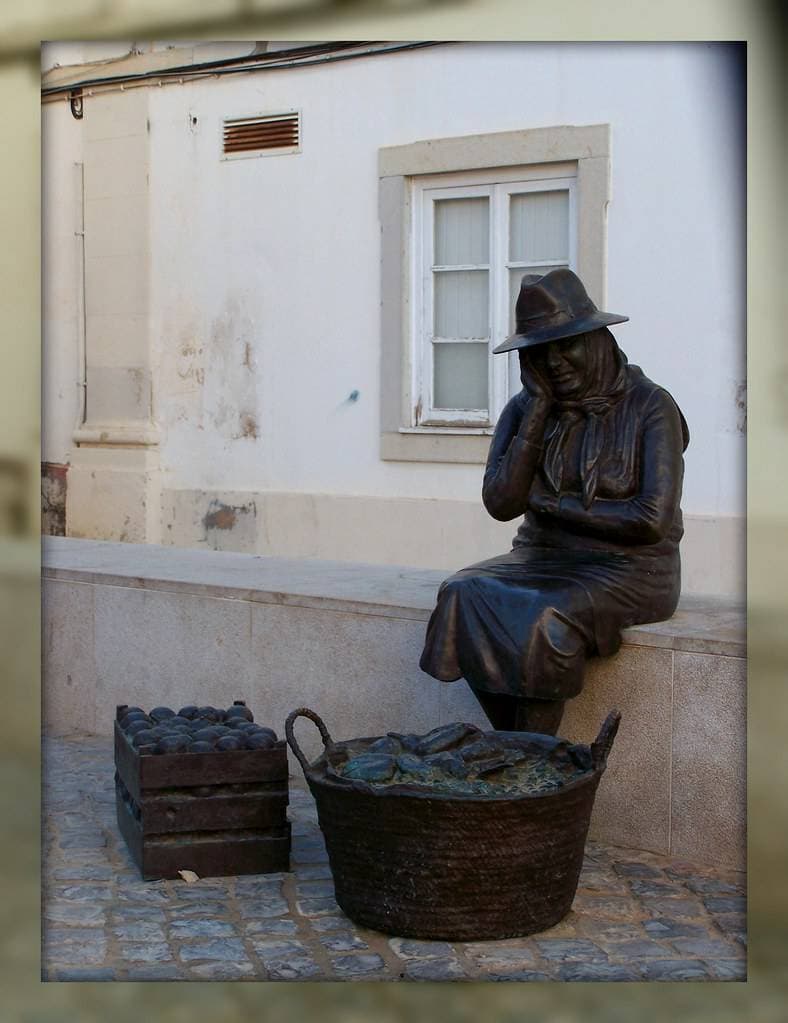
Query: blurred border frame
(762, 25)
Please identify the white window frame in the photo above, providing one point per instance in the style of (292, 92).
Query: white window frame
(585, 147)
(503, 372)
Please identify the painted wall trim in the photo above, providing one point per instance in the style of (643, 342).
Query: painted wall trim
(586, 146)
(497, 149)
(114, 434)
(435, 447)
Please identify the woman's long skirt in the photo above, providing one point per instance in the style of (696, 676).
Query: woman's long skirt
(523, 623)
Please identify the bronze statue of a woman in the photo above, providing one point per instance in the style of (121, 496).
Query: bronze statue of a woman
(590, 452)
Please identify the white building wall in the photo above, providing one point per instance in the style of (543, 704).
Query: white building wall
(281, 253)
(264, 296)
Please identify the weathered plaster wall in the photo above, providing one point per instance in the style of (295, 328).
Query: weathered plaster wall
(266, 271)
(264, 293)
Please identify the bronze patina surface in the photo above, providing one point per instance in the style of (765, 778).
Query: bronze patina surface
(204, 790)
(440, 860)
(590, 453)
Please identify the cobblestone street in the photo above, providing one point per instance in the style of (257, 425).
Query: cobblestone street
(636, 916)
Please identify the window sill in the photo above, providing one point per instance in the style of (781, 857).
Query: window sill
(435, 445)
(461, 429)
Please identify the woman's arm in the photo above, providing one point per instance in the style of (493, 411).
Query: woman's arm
(647, 517)
(515, 452)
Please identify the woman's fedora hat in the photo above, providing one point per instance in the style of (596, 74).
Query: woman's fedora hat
(551, 307)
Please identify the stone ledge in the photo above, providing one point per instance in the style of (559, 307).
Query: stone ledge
(132, 623)
(702, 624)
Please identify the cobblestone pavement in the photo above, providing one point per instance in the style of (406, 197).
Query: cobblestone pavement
(636, 916)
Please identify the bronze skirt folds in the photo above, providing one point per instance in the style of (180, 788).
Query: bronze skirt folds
(523, 623)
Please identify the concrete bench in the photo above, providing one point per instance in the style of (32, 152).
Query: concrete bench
(139, 624)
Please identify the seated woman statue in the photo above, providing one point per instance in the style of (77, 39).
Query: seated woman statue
(591, 453)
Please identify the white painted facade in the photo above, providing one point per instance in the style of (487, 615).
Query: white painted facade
(233, 306)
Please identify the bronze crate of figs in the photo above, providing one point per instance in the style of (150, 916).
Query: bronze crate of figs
(462, 860)
(216, 811)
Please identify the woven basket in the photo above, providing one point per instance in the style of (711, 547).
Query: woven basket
(424, 864)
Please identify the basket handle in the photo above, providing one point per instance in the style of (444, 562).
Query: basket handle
(601, 746)
(305, 712)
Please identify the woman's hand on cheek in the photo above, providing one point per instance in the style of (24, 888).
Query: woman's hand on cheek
(535, 382)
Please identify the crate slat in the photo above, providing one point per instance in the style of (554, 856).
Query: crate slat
(208, 855)
(178, 811)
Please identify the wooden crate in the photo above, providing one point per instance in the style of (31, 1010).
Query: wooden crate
(217, 814)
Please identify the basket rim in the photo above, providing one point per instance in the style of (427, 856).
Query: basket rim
(404, 790)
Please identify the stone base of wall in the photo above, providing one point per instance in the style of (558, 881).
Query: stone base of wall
(126, 623)
(53, 498)
(113, 493)
(413, 531)
(116, 493)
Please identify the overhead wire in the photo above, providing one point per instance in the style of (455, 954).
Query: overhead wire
(313, 57)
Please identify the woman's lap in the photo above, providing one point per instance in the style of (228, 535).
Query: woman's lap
(523, 622)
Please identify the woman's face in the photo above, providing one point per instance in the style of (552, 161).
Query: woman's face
(564, 364)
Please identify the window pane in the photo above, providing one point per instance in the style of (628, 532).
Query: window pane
(515, 276)
(539, 226)
(460, 376)
(461, 303)
(462, 231)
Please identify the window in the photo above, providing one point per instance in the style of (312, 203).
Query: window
(462, 219)
(473, 244)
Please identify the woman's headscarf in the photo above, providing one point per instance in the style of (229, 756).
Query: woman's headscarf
(605, 383)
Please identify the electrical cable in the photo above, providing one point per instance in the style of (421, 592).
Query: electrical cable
(230, 66)
(274, 55)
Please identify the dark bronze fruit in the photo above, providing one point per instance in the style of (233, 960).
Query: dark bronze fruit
(138, 725)
(241, 725)
(239, 710)
(370, 767)
(146, 737)
(158, 714)
(385, 744)
(173, 744)
(446, 737)
(205, 735)
(133, 715)
(255, 740)
(200, 747)
(195, 729)
(229, 742)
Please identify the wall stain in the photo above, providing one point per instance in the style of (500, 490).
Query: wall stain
(247, 425)
(53, 498)
(188, 363)
(137, 377)
(741, 406)
(230, 526)
(229, 394)
(220, 516)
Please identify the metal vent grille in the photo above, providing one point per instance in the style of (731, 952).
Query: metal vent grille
(250, 136)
